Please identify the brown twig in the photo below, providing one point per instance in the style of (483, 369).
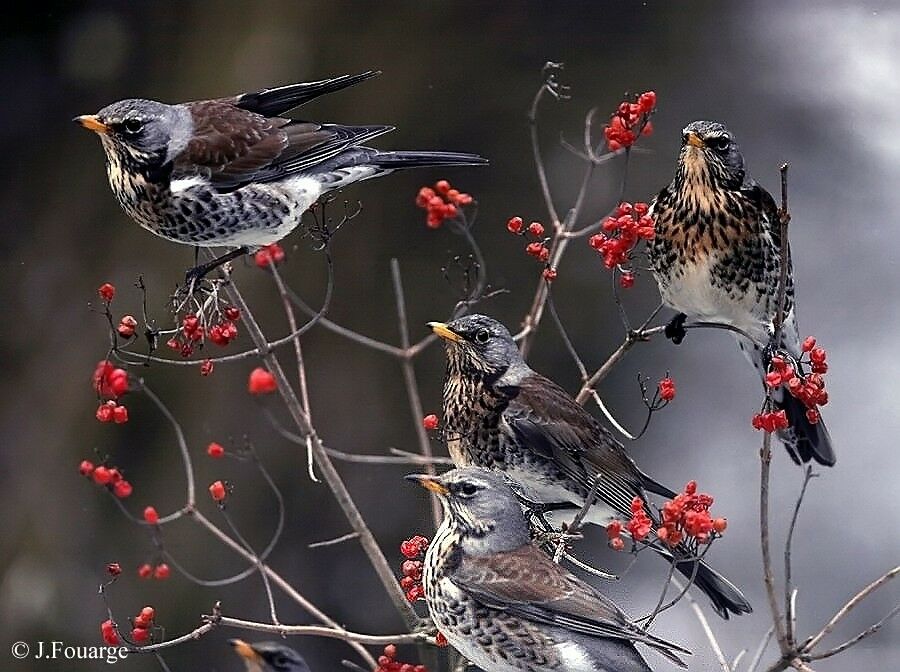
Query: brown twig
(412, 386)
(789, 594)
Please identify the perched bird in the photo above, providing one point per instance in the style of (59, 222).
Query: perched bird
(234, 171)
(269, 656)
(716, 257)
(504, 604)
(500, 414)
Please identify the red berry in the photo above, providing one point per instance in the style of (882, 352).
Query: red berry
(218, 491)
(106, 291)
(614, 529)
(773, 379)
(440, 640)
(817, 355)
(120, 415)
(270, 254)
(101, 475)
(151, 516)
(206, 368)
(86, 468)
(261, 382)
(113, 569)
(627, 280)
(808, 344)
(145, 571)
(122, 489)
(617, 544)
(812, 415)
(549, 274)
(536, 229)
(442, 186)
(161, 572)
(215, 450)
(719, 524)
(515, 225)
(105, 411)
(127, 326)
(233, 313)
(390, 651)
(140, 635)
(430, 421)
(647, 101)
(534, 249)
(667, 389)
(108, 632)
(407, 582)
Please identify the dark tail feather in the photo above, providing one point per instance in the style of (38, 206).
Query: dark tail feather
(270, 102)
(805, 441)
(726, 598)
(397, 160)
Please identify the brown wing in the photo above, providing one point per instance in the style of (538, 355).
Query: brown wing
(548, 421)
(526, 583)
(233, 146)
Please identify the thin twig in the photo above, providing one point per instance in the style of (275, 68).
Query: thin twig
(872, 629)
(412, 386)
(320, 631)
(789, 594)
(761, 649)
(848, 607)
(704, 623)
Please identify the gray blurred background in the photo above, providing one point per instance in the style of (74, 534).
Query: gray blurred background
(815, 85)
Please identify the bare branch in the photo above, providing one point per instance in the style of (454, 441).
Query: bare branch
(704, 623)
(872, 629)
(789, 593)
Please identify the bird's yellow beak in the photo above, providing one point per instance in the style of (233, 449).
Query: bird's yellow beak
(92, 123)
(244, 650)
(694, 140)
(444, 332)
(430, 483)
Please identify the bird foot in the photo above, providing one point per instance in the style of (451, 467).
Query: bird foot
(675, 330)
(195, 275)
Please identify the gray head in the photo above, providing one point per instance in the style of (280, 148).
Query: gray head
(269, 656)
(479, 345)
(710, 148)
(140, 135)
(482, 507)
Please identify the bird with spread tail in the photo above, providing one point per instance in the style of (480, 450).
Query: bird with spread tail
(234, 171)
(717, 256)
(504, 604)
(500, 414)
(269, 656)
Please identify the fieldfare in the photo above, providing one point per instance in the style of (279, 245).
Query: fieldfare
(269, 656)
(234, 171)
(717, 257)
(500, 414)
(504, 604)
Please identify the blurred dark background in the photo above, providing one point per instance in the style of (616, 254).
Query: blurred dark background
(814, 85)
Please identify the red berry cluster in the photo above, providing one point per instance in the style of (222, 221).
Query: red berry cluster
(261, 382)
(686, 517)
(269, 255)
(193, 333)
(387, 662)
(142, 625)
(109, 477)
(430, 422)
(413, 549)
(441, 203)
(160, 572)
(809, 388)
(111, 411)
(666, 389)
(537, 248)
(630, 121)
(623, 230)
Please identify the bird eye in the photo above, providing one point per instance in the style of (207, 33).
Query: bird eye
(467, 489)
(132, 126)
(482, 335)
(720, 143)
